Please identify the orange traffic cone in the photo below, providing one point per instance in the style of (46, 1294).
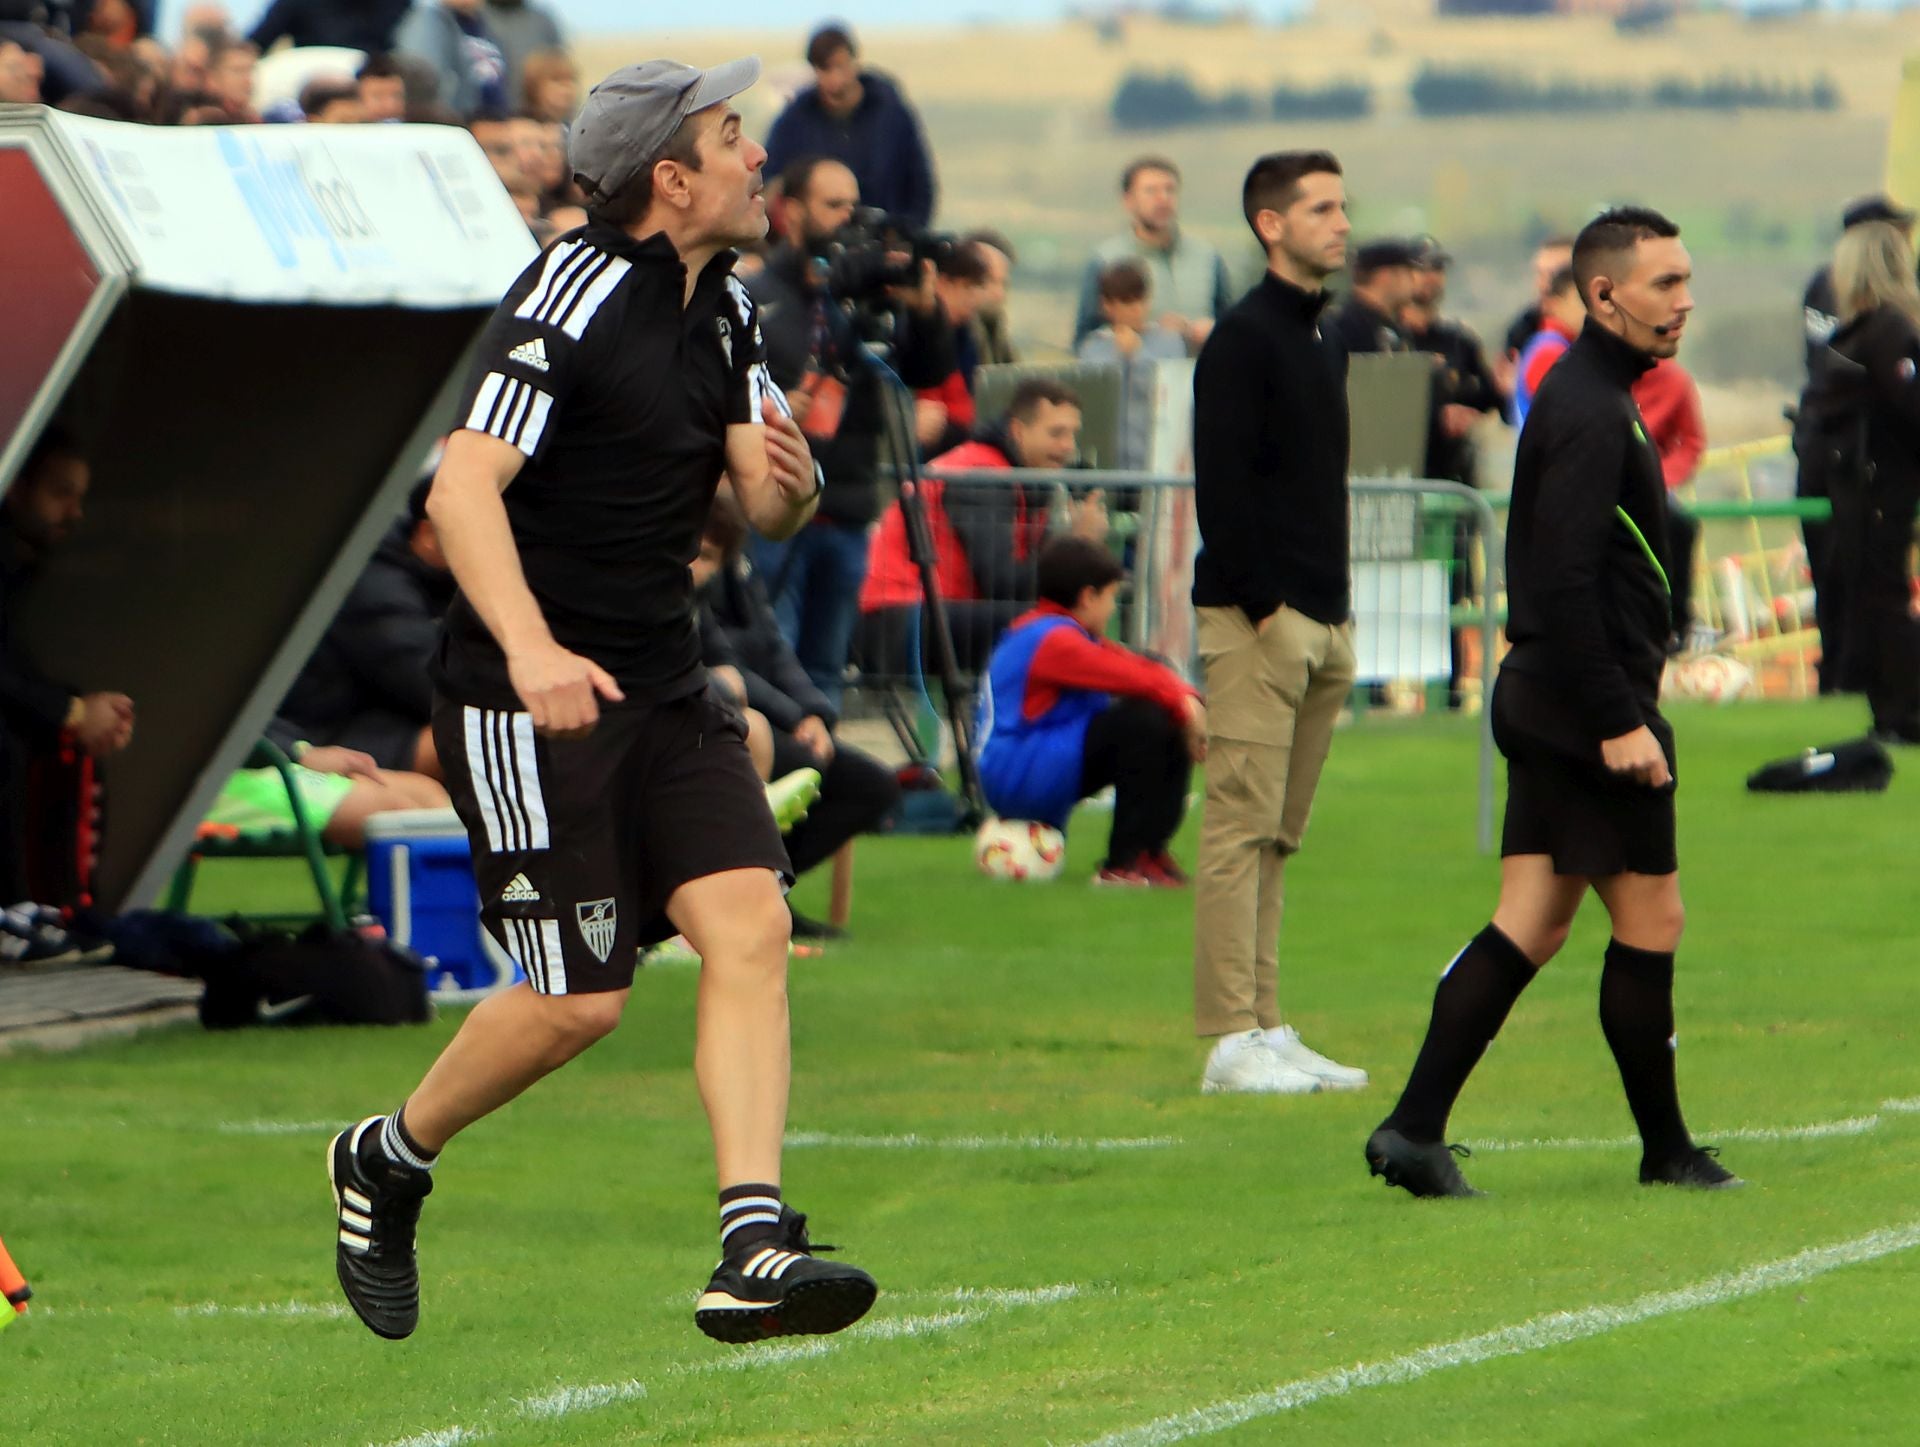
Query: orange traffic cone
(13, 1286)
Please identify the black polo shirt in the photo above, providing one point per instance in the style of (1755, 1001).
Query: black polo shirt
(620, 397)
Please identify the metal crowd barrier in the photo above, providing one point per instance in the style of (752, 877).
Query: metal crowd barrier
(1408, 598)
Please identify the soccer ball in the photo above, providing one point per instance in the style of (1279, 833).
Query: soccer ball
(1709, 677)
(1019, 849)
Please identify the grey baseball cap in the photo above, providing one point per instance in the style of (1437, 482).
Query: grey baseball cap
(631, 115)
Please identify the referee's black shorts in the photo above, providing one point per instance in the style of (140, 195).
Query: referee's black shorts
(1591, 821)
(578, 844)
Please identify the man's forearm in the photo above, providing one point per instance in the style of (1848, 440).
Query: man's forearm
(471, 519)
(772, 513)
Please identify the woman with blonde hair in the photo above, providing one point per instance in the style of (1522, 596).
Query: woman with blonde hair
(1866, 391)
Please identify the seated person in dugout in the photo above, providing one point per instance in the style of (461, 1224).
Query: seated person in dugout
(340, 789)
(39, 513)
(1066, 712)
(366, 689)
(986, 537)
(741, 638)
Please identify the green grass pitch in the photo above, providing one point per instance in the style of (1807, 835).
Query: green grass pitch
(996, 1099)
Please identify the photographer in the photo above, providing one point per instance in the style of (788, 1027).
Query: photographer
(821, 295)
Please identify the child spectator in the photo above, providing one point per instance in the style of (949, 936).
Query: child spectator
(1066, 712)
(1130, 341)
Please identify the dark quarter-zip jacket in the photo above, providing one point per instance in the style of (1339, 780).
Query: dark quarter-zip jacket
(1270, 451)
(1589, 610)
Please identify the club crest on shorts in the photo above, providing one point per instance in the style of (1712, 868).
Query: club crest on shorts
(598, 920)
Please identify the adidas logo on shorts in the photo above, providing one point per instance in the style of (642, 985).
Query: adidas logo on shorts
(530, 354)
(519, 890)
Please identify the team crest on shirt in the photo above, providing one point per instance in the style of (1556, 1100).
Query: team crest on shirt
(598, 920)
(726, 339)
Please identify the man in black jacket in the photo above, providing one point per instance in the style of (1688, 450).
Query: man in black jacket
(1271, 591)
(366, 687)
(838, 395)
(738, 629)
(1590, 761)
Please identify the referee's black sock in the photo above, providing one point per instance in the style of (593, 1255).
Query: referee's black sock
(1469, 1007)
(1636, 1012)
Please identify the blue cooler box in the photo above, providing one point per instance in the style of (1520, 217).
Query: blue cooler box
(420, 886)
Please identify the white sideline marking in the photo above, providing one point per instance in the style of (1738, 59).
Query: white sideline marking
(800, 1140)
(277, 1127)
(269, 1308)
(1536, 1334)
(1818, 1130)
(446, 1437)
(568, 1400)
(565, 1401)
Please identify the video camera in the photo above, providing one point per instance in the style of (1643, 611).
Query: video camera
(875, 252)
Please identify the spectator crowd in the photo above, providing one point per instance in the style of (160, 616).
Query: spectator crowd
(875, 326)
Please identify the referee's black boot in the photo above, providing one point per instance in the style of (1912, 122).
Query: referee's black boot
(377, 1209)
(1420, 1170)
(1699, 1169)
(776, 1286)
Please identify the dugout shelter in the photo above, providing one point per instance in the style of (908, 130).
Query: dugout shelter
(256, 334)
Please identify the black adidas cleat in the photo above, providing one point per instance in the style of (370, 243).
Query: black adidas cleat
(778, 1287)
(1699, 1169)
(1421, 1170)
(376, 1213)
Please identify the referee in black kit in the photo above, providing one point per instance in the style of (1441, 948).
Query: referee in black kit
(609, 804)
(1590, 761)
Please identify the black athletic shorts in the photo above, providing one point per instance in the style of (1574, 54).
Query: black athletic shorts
(1559, 803)
(578, 844)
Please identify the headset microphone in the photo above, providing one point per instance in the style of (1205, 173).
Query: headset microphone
(1660, 331)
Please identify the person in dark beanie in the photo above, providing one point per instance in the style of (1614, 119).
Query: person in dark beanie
(367, 685)
(860, 118)
(1590, 761)
(1066, 712)
(1273, 605)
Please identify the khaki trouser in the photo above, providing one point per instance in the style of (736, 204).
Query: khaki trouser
(1272, 696)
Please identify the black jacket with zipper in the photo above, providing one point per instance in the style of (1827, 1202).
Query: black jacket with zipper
(1270, 449)
(1589, 612)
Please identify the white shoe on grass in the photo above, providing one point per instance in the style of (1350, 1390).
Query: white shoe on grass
(1286, 1045)
(1243, 1064)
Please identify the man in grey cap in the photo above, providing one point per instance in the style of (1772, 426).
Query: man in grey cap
(610, 801)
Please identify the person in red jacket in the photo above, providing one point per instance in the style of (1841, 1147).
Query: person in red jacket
(1670, 406)
(986, 537)
(1066, 712)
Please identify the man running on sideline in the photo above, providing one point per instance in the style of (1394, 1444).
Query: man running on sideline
(610, 805)
(1590, 761)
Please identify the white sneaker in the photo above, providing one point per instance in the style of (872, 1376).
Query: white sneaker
(1245, 1064)
(1285, 1044)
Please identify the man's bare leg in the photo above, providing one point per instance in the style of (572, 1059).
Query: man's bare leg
(768, 1283)
(509, 1041)
(739, 925)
